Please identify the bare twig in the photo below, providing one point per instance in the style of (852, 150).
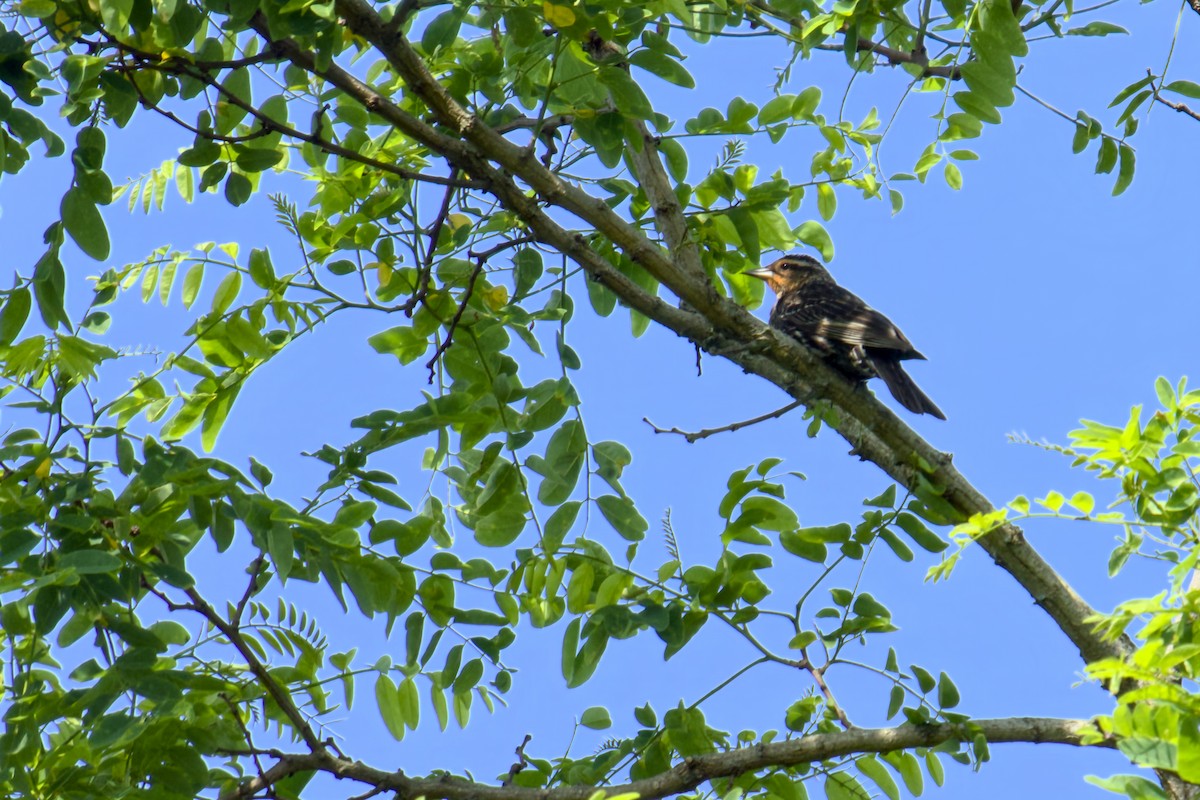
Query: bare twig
(694, 436)
(521, 763)
(818, 676)
(435, 232)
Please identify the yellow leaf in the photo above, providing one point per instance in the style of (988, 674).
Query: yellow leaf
(496, 297)
(456, 221)
(558, 16)
(384, 271)
(43, 469)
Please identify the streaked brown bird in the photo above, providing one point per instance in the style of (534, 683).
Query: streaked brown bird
(852, 337)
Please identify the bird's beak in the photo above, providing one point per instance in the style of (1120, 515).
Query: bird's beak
(764, 273)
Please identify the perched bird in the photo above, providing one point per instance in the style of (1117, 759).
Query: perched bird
(852, 337)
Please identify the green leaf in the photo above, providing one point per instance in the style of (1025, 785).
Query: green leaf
(409, 703)
(843, 786)
(84, 223)
(910, 771)
(579, 589)
(1185, 88)
(1107, 158)
(777, 109)
(227, 292)
(559, 524)
(627, 96)
(565, 457)
(664, 67)
(676, 158)
(1096, 28)
(403, 341)
(255, 159)
(238, 189)
(282, 547)
(1188, 758)
(90, 562)
(442, 31)
(1133, 786)
(826, 201)
(13, 316)
(953, 176)
(1125, 172)
(596, 718)
(920, 534)
(623, 516)
(387, 699)
(924, 678)
(806, 103)
(527, 264)
(871, 768)
(947, 692)
(569, 646)
(814, 235)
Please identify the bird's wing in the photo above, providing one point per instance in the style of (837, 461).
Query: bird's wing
(829, 313)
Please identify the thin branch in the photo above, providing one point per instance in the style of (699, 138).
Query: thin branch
(435, 232)
(454, 322)
(255, 569)
(521, 763)
(1156, 88)
(693, 437)
(818, 676)
(693, 771)
(923, 23)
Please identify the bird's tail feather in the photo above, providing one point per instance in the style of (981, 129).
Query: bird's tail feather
(904, 389)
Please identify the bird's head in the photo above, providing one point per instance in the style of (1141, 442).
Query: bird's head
(791, 272)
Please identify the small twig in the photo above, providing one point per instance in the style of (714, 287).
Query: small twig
(403, 11)
(255, 569)
(521, 763)
(435, 233)
(378, 790)
(919, 44)
(547, 125)
(918, 56)
(507, 244)
(694, 436)
(818, 676)
(1180, 107)
(453, 326)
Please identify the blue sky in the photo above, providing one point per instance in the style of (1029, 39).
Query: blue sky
(1037, 297)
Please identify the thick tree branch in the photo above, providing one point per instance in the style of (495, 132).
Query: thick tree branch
(717, 324)
(691, 772)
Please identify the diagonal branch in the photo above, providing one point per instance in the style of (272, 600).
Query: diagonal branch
(713, 322)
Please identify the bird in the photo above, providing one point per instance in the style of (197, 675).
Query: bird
(851, 336)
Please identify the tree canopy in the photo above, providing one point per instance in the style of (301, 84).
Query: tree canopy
(474, 184)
